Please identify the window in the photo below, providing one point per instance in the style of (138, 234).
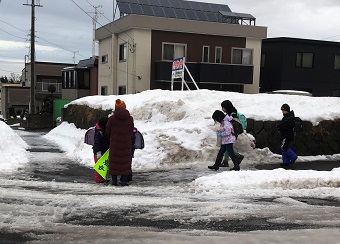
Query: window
(45, 83)
(105, 59)
(337, 62)
(263, 60)
(103, 90)
(172, 51)
(122, 52)
(242, 56)
(304, 60)
(218, 55)
(121, 90)
(205, 54)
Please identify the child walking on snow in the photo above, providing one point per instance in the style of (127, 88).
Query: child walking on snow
(228, 139)
(100, 146)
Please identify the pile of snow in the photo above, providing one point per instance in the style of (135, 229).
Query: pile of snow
(13, 152)
(179, 131)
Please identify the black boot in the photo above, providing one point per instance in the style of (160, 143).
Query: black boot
(217, 164)
(114, 180)
(239, 157)
(236, 163)
(130, 177)
(124, 180)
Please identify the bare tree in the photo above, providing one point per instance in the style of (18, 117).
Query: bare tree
(14, 78)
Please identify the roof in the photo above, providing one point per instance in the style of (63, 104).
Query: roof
(299, 40)
(179, 9)
(87, 63)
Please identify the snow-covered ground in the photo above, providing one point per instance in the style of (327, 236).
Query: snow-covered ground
(179, 134)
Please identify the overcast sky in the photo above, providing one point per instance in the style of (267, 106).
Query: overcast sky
(64, 30)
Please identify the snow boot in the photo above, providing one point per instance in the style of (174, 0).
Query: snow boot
(124, 180)
(217, 164)
(224, 163)
(114, 180)
(240, 157)
(236, 163)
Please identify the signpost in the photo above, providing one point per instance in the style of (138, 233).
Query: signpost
(178, 69)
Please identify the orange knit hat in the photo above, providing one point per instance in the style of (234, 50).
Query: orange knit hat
(120, 104)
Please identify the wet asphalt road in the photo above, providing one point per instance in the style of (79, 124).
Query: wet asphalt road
(68, 171)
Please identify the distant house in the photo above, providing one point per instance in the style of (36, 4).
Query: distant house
(14, 99)
(300, 64)
(47, 73)
(80, 80)
(222, 48)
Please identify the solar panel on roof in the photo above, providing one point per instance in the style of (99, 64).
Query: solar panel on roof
(132, 1)
(176, 9)
(186, 5)
(136, 8)
(147, 10)
(177, 3)
(195, 6)
(165, 3)
(125, 8)
(169, 13)
(154, 2)
(215, 7)
(159, 11)
(180, 13)
(206, 7)
(143, 2)
(191, 14)
(211, 17)
(201, 15)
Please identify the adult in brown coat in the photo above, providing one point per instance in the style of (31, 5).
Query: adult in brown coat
(120, 128)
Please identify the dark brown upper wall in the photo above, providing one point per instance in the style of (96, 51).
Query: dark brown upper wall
(195, 43)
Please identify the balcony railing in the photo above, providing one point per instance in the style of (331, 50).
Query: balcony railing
(209, 72)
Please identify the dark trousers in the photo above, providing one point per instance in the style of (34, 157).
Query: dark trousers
(226, 148)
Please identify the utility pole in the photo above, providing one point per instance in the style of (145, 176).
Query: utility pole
(32, 100)
(94, 20)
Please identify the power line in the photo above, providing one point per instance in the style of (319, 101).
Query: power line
(100, 13)
(59, 46)
(132, 46)
(13, 35)
(13, 26)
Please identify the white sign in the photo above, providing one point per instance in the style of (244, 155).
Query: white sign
(178, 68)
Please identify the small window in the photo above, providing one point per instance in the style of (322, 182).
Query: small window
(205, 54)
(242, 56)
(122, 52)
(172, 51)
(263, 60)
(304, 60)
(218, 55)
(168, 52)
(105, 59)
(103, 90)
(121, 90)
(337, 62)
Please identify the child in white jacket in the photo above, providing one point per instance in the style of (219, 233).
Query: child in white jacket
(228, 139)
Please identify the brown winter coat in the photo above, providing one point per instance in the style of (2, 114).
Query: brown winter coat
(119, 128)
